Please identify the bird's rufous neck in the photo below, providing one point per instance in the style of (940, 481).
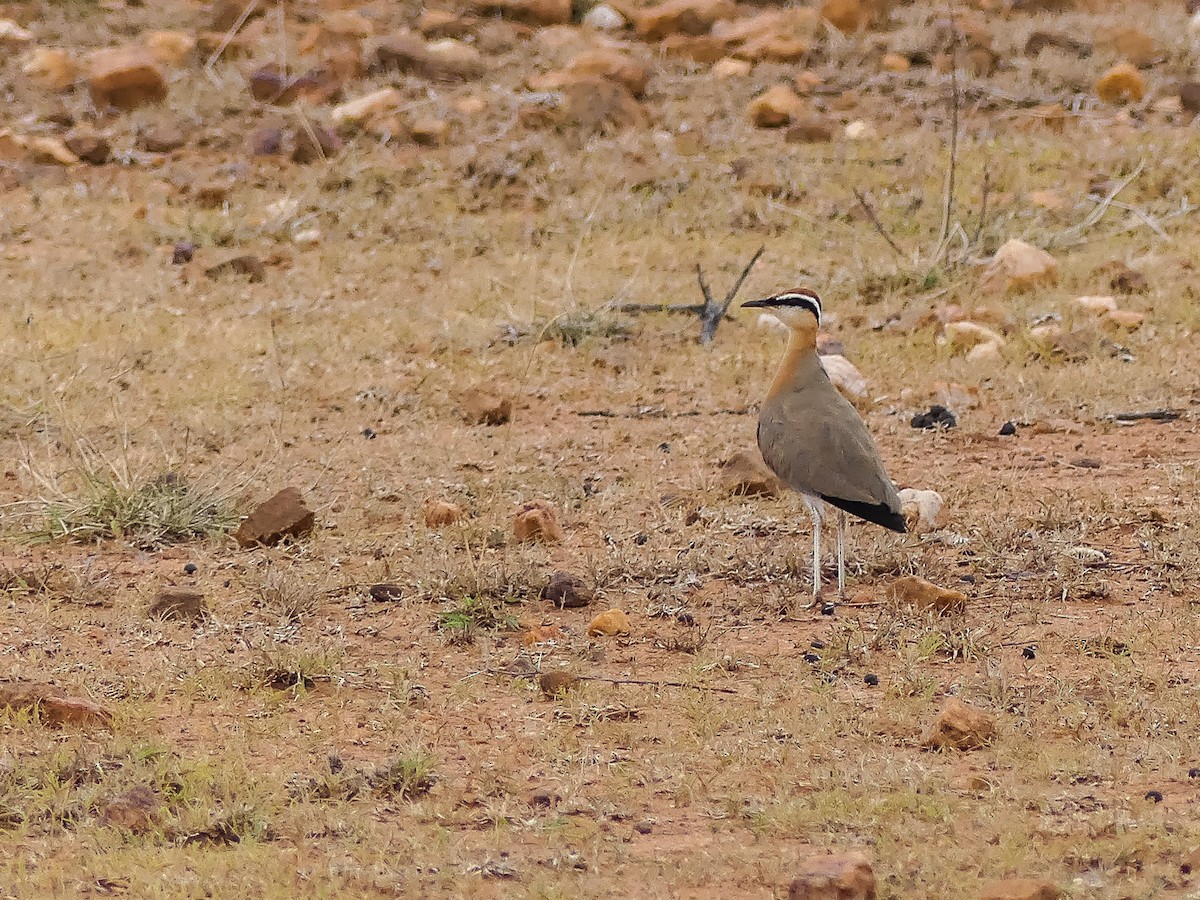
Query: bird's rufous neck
(802, 346)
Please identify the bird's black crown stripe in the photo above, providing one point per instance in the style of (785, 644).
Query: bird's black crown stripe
(811, 302)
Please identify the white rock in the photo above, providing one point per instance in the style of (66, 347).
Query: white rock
(12, 33)
(1019, 266)
(848, 380)
(370, 106)
(731, 68)
(603, 17)
(987, 352)
(921, 509)
(1099, 305)
(309, 237)
(858, 130)
(969, 334)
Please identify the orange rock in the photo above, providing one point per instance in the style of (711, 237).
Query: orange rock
(54, 70)
(894, 62)
(54, 706)
(125, 77)
(609, 623)
(702, 48)
(1131, 44)
(441, 512)
(775, 107)
(596, 63)
(1121, 84)
(839, 876)
(914, 591)
(960, 726)
(687, 17)
(1018, 266)
(537, 521)
(746, 475)
(1125, 318)
(849, 16)
(171, 48)
(1019, 889)
(482, 407)
(728, 67)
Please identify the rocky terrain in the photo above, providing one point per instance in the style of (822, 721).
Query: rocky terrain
(381, 513)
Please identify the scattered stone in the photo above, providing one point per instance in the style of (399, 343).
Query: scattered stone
(161, 139)
(610, 64)
(374, 105)
(182, 253)
(964, 335)
(49, 151)
(13, 35)
(429, 131)
(1131, 44)
(138, 810)
(1099, 306)
(847, 379)
(838, 876)
(810, 129)
(849, 16)
(599, 106)
(480, 406)
(178, 604)
(386, 592)
(313, 143)
(125, 77)
(267, 142)
(603, 17)
(555, 684)
(610, 623)
(937, 417)
(284, 515)
(1008, 429)
(445, 60)
(704, 49)
(54, 70)
(983, 354)
(171, 48)
(859, 130)
(307, 237)
(55, 707)
(921, 509)
(1019, 889)
(681, 17)
(537, 521)
(1040, 40)
(777, 106)
(544, 796)
(1051, 200)
(960, 726)
(1018, 266)
(567, 591)
(439, 513)
(1189, 96)
(746, 475)
(247, 264)
(528, 12)
(916, 592)
(895, 62)
(1121, 84)
(88, 144)
(274, 85)
(1125, 318)
(1126, 280)
(728, 67)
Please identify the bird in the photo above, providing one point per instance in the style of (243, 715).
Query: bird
(815, 441)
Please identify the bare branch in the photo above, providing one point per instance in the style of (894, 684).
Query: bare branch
(713, 313)
(875, 221)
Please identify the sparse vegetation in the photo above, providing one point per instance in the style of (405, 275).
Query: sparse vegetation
(361, 712)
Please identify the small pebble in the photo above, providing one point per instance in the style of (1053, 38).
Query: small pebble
(369, 433)
(1154, 796)
(817, 645)
(811, 658)
(190, 569)
(1008, 428)
(871, 679)
(828, 609)
(1029, 653)
(1194, 773)
(937, 417)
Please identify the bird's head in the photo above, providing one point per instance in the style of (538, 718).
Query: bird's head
(799, 309)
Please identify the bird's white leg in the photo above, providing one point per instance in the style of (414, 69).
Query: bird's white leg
(841, 539)
(814, 511)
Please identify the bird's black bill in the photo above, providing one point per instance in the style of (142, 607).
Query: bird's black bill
(758, 304)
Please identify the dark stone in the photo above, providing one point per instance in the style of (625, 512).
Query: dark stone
(174, 603)
(283, 516)
(937, 417)
(567, 591)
